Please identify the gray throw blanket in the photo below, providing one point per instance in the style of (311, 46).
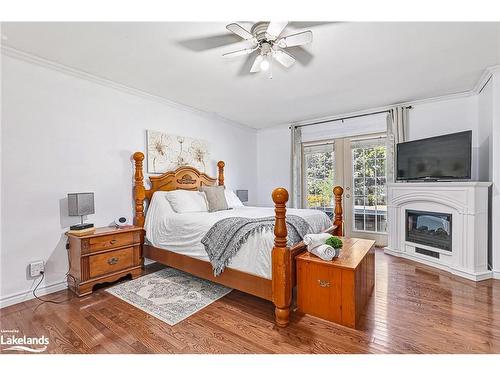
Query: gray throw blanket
(226, 236)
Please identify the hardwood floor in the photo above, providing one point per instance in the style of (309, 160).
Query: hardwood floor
(414, 309)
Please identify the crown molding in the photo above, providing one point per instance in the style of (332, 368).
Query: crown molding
(483, 80)
(37, 60)
(416, 102)
(485, 77)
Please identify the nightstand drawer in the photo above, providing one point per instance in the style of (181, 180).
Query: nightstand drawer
(111, 261)
(111, 241)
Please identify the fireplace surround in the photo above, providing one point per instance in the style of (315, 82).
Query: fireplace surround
(441, 224)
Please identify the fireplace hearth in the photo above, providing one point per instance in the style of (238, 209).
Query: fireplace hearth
(429, 228)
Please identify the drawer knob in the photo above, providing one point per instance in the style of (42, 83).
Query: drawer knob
(112, 260)
(112, 242)
(324, 283)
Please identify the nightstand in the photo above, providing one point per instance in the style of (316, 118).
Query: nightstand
(105, 255)
(337, 290)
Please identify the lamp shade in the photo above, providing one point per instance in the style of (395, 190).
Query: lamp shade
(80, 204)
(242, 195)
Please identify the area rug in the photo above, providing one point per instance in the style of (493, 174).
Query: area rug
(169, 294)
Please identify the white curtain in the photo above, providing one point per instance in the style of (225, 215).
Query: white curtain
(296, 167)
(397, 131)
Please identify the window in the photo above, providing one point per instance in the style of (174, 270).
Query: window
(319, 162)
(369, 185)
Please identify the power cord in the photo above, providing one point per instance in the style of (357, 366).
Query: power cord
(42, 273)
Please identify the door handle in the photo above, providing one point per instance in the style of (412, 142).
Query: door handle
(348, 196)
(324, 283)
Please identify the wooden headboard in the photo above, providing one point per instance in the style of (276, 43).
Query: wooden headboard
(185, 178)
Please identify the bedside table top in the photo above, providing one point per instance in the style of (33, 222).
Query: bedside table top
(104, 231)
(352, 253)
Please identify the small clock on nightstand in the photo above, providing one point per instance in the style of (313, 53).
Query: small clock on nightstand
(105, 255)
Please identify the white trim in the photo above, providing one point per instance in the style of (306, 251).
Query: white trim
(476, 276)
(27, 295)
(487, 73)
(496, 274)
(28, 57)
(485, 77)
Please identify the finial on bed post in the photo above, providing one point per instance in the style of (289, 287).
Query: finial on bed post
(139, 190)
(221, 166)
(281, 263)
(338, 219)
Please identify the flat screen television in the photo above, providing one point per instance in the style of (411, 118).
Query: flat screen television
(447, 157)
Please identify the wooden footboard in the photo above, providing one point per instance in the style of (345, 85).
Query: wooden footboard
(283, 257)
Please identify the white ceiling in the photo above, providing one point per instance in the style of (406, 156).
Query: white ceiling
(348, 67)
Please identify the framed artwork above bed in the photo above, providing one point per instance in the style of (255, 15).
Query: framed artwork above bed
(167, 152)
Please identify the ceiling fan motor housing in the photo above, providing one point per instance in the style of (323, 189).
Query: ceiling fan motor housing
(259, 31)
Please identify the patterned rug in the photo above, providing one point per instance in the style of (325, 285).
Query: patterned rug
(169, 294)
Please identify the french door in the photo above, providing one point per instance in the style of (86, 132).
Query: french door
(359, 165)
(365, 194)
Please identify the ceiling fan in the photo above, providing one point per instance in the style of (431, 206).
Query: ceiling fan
(266, 37)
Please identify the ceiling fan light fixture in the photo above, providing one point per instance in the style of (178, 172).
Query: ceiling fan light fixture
(265, 64)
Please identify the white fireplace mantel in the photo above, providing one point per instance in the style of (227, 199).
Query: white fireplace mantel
(467, 202)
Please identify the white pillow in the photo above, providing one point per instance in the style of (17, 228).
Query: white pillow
(183, 201)
(232, 199)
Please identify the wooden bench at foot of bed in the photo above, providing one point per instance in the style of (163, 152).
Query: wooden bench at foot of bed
(279, 288)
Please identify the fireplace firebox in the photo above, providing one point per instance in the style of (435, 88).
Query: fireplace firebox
(429, 228)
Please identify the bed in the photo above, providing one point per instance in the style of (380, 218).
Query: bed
(174, 240)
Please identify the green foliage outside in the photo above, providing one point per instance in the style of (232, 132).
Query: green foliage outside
(368, 173)
(320, 171)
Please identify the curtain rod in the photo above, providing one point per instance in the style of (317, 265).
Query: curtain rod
(345, 118)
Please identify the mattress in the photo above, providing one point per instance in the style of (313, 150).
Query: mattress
(182, 233)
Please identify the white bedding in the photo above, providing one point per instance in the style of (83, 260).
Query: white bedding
(182, 233)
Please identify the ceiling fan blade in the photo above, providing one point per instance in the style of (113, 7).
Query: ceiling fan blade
(283, 58)
(210, 42)
(240, 52)
(276, 28)
(240, 31)
(256, 64)
(296, 39)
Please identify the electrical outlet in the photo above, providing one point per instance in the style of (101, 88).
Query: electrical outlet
(36, 268)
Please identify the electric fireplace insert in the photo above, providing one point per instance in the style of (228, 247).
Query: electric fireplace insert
(429, 228)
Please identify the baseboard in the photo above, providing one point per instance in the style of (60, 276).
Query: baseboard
(496, 274)
(27, 295)
(388, 250)
(479, 276)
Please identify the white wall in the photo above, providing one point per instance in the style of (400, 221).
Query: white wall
(485, 132)
(495, 172)
(426, 120)
(444, 117)
(273, 162)
(63, 134)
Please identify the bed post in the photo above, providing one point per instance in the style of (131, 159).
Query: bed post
(139, 190)
(338, 220)
(221, 165)
(281, 262)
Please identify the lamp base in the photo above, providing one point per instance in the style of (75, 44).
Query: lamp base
(81, 226)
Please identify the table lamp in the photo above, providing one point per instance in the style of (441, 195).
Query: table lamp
(80, 204)
(242, 195)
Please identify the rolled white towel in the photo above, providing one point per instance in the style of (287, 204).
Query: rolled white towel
(325, 252)
(313, 240)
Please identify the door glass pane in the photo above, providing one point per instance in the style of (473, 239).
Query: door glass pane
(319, 162)
(369, 185)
